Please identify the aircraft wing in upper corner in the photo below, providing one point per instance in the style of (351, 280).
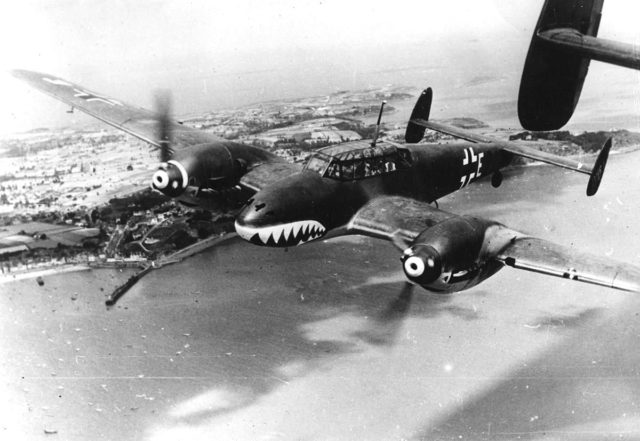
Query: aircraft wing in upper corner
(133, 120)
(444, 252)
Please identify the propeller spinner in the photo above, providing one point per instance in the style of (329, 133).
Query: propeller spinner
(422, 264)
(171, 177)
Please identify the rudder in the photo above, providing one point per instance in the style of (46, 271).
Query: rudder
(415, 132)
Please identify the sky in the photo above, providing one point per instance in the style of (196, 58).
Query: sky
(221, 54)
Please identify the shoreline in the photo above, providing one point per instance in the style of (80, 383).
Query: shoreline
(177, 256)
(46, 271)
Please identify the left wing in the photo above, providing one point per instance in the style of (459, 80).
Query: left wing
(136, 121)
(402, 220)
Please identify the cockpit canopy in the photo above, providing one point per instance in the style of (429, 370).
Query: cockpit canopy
(348, 162)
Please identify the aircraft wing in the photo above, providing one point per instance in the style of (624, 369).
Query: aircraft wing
(133, 120)
(541, 256)
(401, 220)
(396, 219)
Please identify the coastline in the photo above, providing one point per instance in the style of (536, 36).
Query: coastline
(175, 257)
(44, 271)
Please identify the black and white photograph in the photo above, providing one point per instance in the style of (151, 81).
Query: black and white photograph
(320, 220)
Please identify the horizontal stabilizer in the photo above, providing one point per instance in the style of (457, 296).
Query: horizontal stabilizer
(600, 49)
(509, 146)
(541, 256)
(456, 132)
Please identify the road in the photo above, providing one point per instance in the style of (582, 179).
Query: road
(244, 342)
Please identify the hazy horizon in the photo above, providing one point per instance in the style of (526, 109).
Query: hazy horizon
(224, 56)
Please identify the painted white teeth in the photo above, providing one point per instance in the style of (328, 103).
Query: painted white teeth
(289, 234)
(277, 233)
(286, 232)
(264, 235)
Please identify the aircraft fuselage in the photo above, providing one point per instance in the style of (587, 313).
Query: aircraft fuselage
(308, 205)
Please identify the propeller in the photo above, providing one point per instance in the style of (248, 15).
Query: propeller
(398, 307)
(163, 110)
(383, 329)
(171, 177)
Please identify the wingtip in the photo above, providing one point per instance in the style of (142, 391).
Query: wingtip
(22, 74)
(18, 72)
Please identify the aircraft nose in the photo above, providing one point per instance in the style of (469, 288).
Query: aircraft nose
(262, 223)
(254, 216)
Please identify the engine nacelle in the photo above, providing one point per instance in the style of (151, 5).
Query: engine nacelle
(208, 166)
(455, 254)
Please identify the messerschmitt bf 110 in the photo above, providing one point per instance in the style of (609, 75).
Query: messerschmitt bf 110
(386, 190)
(376, 188)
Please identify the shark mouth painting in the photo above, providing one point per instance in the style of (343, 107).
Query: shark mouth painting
(282, 235)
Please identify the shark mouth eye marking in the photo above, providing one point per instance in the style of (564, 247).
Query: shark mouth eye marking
(283, 235)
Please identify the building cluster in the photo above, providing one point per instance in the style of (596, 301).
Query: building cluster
(292, 128)
(65, 171)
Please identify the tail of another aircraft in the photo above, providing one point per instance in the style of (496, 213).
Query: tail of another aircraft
(552, 78)
(563, 44)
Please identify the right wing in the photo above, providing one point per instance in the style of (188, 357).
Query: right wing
(401, 220)
(541, 256)
(396, 217)
(136, 121)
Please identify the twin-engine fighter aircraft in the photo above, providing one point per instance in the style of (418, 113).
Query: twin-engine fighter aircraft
(563, 43)
(376, 188)
(385, 191)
